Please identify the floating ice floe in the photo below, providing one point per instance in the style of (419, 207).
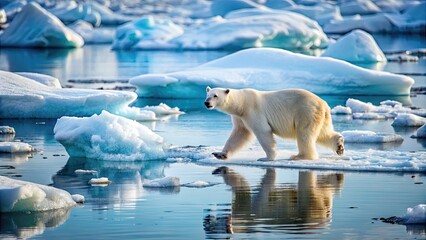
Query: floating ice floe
(271, 69)
(402, 58)
(99, 181)
(420, 133)
(199, 184)
(408, 120)
(22, 97)
(341, 110)
(370, 160)
(370, 137)
(78, 198)
(108, 137)
(82, 171)
(412, 20)
(36, 27)
(22, 196)
(7, 130)
(356, 46)
(15, 147)
(91, 34)
(415, 215)
(165, 182)
(369, 116)
(147, 33)
(163, 109)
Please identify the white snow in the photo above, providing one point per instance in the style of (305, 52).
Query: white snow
(22, 97)
(15, 147)
(163, 109)
(358, 106)
(356, 136)
(41, 78)
(415, 215)
(7, 130)
(341, 110)
(91, 34)
(99, 181)
(271, 69)
(83, 171)
(369, 160)
(36, 27)
(146, 33)
(22, 196)
(78, 198)
(356, 46)
(421, 132)
(108, 137)
(165, 182)
(408, 120)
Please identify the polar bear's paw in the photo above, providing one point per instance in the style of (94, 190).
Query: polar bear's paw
(340, 149)
(220, 155)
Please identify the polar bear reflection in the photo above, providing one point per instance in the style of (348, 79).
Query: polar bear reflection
(289, 207)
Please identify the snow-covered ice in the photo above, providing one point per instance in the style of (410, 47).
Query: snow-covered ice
(147, 33)
(15, 147)
(165, 182)
(355, 136)
(108, 137)
(356, 46)
(415, 215)
(83, 171)
(370, 160)
(99, 181)
(93, 35)
(408, 120)
(163, 109)
(421, 132)
(341, 110)
(78, 198)
(36, 27)
(41, 78)
(271, 69)
(7, 130)
(22, 97)
(369, 116)
(22, 196)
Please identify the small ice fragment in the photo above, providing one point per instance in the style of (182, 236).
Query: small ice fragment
(82, 171)
(368, 116)
(7, 130)
(341, 110)
(162, 182)
(78, 198)
(13, 147)
(199, 184)
(415, 215)
(408, 120)
(391, 103)
(99, 181)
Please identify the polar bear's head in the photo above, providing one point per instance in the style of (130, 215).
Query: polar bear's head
(215, 97)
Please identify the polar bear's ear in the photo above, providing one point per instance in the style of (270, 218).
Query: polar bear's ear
(227, 91)
(208, 89)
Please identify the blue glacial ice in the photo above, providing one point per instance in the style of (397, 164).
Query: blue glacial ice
(36, 27)
(421, 132)
(356, 46)
(22, 196)
(271, 69)
(108, 137)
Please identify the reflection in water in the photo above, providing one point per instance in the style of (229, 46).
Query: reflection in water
(126, 176)
(26, 225)
(294, 208)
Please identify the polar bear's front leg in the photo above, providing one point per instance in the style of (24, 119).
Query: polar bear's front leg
(239, 137)
(265, 137)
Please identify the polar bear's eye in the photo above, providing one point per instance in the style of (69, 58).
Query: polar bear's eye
(215, 96)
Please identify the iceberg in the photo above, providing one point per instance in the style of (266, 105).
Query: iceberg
(22, 97)
(108, 137)
(272, 69)
(362, 7)
(408, 120)
(7, 130)
(93, 35)
(22, 196)
(356, 46)
(15, 147)
(356, 136)
(147, 33)
(421, 132)
(36, 27)
(341, 110)
(415, 215)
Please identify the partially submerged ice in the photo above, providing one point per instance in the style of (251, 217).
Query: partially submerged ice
(270, 69)
(36, 27)
(15, 147)
(356, 46)
(108, 137)
(22, 196)
(421, 132)
(356, 136)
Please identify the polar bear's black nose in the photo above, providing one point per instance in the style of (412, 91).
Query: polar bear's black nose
(207, 104)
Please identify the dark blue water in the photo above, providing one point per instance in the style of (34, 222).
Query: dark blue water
(247, 203)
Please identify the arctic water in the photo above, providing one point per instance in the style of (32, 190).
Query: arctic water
(243, 201)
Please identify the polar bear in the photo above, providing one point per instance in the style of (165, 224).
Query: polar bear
(294, 113)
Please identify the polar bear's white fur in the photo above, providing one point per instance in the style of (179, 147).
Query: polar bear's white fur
(292, 113)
